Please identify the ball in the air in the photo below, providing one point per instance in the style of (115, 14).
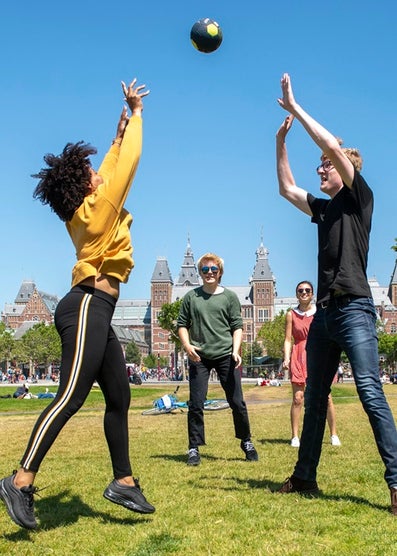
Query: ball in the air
(206, 35)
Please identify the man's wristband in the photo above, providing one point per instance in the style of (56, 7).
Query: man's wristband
(117, 141)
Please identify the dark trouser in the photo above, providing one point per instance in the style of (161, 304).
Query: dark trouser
(347, 324)
(230, 379)
(90, 352)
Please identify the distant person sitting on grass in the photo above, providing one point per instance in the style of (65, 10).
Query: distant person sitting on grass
(21, 392)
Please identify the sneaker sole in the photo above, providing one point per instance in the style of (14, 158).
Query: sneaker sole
(7, 501)
(126, 503)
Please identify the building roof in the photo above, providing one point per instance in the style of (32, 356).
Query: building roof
(262, 269)
(132, 312)
(126, 335)
(178, 292)
(14, 309)
(379, 293)
(50, 301)
(283, 304)
(25, 326)
(161, 271)
(243, 293)
(393, 280)
(188, 274)
(394, 275)
(25, 291)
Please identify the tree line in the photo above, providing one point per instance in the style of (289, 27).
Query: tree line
(40, 345)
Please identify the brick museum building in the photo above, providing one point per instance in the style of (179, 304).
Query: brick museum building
(137, 319)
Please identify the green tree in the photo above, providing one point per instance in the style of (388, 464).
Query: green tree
(132, 353)
(272, 334)
(152, 361)
(249, 351)
(7, 344)
(41, 344)
(394, 247)
(387, 346)
(167, 319)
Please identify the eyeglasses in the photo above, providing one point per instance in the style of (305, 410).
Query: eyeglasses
(304, 290)
(207, 269)
(326, 166)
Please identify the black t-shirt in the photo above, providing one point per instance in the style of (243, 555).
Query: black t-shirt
(344, 225)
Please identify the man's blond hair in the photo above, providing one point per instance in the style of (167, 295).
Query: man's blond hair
(353, 155)
(211, 257)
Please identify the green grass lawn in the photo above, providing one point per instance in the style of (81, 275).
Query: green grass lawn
(223, 507)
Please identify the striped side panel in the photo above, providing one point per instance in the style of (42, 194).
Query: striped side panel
(73, 379)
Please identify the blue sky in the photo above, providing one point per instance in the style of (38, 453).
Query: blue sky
(208, 164)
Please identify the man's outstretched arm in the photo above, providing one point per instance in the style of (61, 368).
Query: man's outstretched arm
(327, 142)
(287, 186)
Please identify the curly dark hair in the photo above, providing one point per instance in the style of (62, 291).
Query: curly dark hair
(64, 184)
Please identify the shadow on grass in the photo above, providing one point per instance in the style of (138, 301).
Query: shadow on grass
(273, 441)
(284, 441)
(19, 536)
(271, 487)
(182, 458)
(63, 509)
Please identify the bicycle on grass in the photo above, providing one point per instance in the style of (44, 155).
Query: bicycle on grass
(170, 404)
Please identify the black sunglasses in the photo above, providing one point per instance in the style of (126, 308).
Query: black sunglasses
(304, 290)
(206, 269)
(326, 166)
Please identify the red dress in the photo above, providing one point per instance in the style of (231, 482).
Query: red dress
(300, 329)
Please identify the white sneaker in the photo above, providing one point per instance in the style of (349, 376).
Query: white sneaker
(335, 440)
(295, 443)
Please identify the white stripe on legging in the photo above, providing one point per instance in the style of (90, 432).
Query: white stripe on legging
(74, 374)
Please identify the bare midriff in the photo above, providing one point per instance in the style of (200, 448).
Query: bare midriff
(105, 283)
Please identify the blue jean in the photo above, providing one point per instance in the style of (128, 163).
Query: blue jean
(230, 380)
(347, 324)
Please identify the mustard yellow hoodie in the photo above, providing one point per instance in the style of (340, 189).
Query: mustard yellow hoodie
(100, 227)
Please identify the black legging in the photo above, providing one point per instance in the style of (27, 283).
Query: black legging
(90, 352)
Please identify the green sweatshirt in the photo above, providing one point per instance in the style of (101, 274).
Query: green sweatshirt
(100, 227)
(211, 321)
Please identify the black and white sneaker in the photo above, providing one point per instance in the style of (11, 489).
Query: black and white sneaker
(130, 497)
(249, 450)
(19, 502)
(193, 457)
